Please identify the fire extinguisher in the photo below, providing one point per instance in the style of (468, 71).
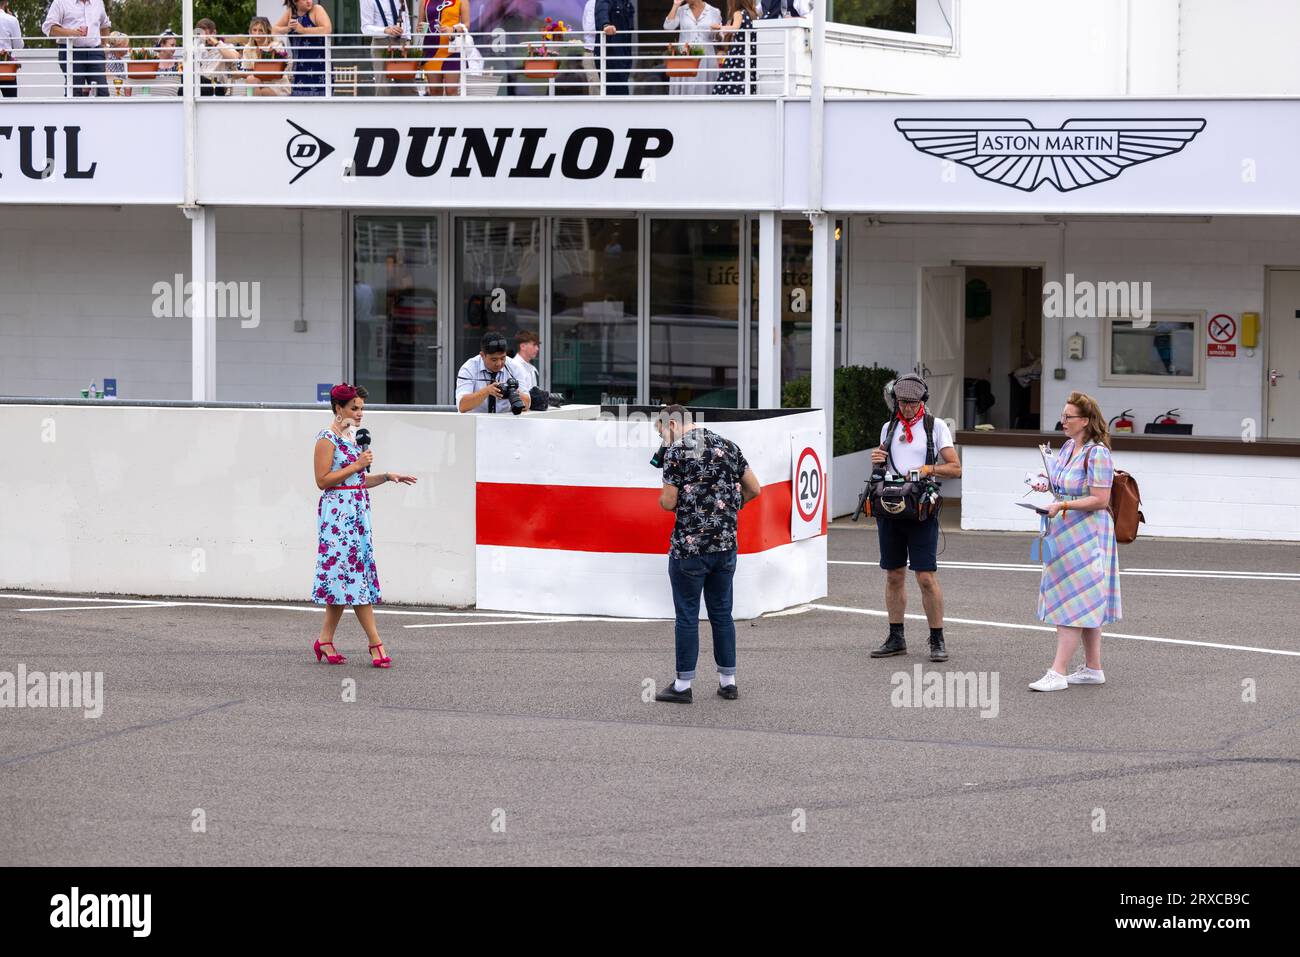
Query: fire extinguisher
(1168, 418)
(1122, 422)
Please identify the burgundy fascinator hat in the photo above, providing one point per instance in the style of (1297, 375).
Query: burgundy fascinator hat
(343, 393)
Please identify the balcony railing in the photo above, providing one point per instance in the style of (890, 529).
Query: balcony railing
(768, 61)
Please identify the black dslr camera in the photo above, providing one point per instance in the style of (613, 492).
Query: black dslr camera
(510, 392)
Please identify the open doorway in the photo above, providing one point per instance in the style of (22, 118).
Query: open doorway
(1003, 347)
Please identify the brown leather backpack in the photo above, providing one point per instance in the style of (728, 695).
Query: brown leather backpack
(1125, 507)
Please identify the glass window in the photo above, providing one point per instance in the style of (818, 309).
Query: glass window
(694, 311)
(878, 14)
(796, 301)
(594, 309)
(395, 308)
(498, 280)
(1164, 352)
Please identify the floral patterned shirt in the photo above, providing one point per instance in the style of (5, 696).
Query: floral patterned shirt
(706, 468)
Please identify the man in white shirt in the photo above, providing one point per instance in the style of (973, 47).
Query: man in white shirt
(527, 347)
(479, 381)
(82, 23)
(215, 58)
(11, 38)
(388, 24)
(907, 542)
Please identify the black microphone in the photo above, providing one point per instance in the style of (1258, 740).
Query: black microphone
(363, 442)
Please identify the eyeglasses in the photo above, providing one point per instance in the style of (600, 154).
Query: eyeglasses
(1064, 417)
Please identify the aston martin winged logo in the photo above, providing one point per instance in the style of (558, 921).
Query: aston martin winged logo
(1078, 153)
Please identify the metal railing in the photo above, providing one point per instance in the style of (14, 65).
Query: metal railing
(761, 62)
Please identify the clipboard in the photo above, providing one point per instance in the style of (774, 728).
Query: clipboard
(1030, 505)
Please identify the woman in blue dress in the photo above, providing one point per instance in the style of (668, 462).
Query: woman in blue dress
(738, 64)
(307, 25)
(346, 575)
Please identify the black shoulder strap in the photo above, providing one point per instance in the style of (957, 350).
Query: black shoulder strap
(889, 444)
(929, 439)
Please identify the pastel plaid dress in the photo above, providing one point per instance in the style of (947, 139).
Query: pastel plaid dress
(1080, 585)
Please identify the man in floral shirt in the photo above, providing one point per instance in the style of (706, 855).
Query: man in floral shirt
(706, 482)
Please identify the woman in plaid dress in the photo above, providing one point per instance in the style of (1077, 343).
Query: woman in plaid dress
(1079, 591)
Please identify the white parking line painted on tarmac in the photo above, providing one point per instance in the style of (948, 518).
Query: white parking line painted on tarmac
(1016, 626)
(502, 624)
(1133, 572)
(511, 617)
(96, 607)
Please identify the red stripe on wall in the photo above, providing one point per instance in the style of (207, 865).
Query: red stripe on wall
(590, 519)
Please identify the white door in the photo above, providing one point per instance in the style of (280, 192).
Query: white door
(1282, 330)
(941, 332)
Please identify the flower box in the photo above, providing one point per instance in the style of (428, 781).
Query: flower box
(9, 67)
(682, 66)
(269, 69)
(541, 68)
(401, 69)
(142, 69)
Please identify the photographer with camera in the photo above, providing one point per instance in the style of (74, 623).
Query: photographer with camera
(706, 481)
(488, 382)
(905, 502)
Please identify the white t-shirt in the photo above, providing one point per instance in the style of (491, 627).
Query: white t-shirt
(911, 455)
(474, 375)
(525, 372)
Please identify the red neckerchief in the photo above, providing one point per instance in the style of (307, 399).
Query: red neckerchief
(907, 424)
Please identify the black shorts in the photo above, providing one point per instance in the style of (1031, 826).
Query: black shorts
(910, 543)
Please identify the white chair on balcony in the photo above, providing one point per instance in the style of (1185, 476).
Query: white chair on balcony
(345, 80)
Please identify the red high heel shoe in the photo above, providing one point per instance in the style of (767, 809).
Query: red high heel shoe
(334, 659)
(383, 661)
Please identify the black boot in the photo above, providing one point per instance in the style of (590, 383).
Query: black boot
(937, 650)
(894, 644)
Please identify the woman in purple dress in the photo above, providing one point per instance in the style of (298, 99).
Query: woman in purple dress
(346, 575)
(1079, 590)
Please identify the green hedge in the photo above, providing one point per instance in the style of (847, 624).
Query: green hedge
(860, 408)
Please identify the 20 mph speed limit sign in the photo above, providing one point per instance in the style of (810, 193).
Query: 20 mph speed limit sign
(808, 485)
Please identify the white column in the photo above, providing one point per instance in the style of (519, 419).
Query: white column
(769, 311)
(203, 324)
(823, 328)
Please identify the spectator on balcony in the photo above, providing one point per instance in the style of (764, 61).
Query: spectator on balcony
(81, 25)
(589, 67)
(695, 22)
(527, 347)
(259, 43)
(11, 38)
(444, 18)
(388, 24)
(784, 9)
(215, 58)
(738, 67)
(116, 48)
(613, 16)
(307, 25)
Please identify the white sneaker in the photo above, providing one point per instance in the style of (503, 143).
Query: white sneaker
(1050, 682)
(1083, 675)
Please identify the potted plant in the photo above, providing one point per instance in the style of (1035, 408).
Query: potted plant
(402, 63)
(142, 63)
(683, 59)
(8, 65)
(543, 59)
(271, 62)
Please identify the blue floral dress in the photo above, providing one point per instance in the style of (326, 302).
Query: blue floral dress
(345, 557)
(1080, 584)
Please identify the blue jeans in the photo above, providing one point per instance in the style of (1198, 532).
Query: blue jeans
(87, 70)
(712, 574)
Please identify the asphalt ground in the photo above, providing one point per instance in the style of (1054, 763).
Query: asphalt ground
(498, 740)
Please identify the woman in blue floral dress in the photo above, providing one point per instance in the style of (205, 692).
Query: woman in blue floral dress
(345, 560)
(1079, 590)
